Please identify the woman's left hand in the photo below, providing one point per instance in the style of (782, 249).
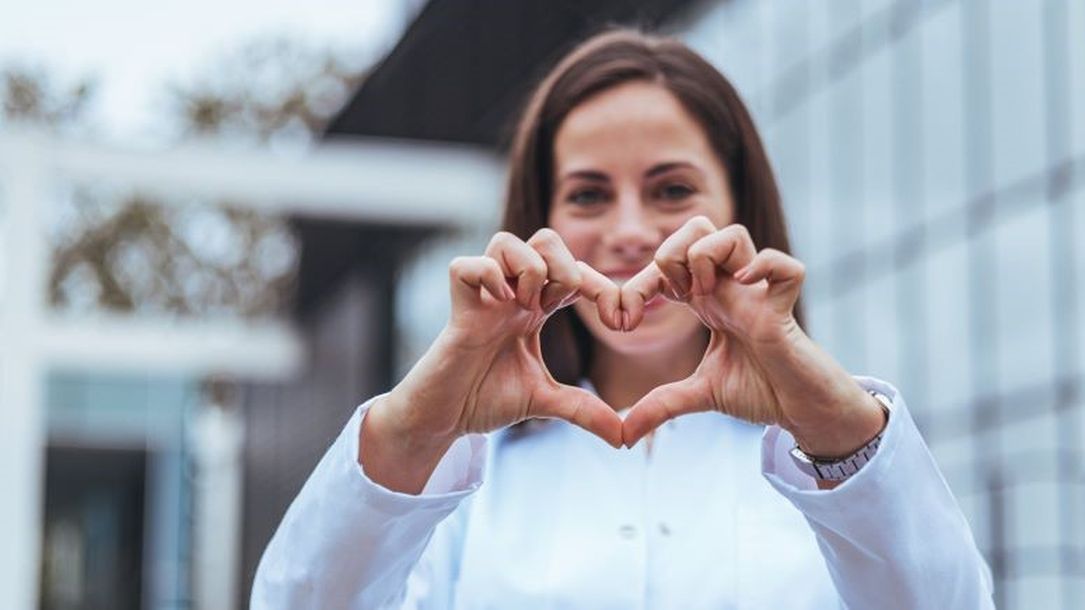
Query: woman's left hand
(759, 365)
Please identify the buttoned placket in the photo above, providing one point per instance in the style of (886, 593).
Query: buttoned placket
(652, 511)
(668, 489)
(629, 530)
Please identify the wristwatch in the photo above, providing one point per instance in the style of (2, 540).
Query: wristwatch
(840, 469)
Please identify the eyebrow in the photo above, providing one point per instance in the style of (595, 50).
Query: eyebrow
(655, 170)
(663, 168)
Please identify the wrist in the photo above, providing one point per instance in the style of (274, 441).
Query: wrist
(395, 455)
(854, 424)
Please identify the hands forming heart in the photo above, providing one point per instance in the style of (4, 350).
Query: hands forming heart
(485, 371)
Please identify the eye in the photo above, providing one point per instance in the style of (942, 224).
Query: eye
(675, 191)
(586, 197)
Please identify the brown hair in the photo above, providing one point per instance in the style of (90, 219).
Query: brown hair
(611, 58)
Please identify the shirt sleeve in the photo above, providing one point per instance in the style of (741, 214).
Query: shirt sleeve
(892, 535)
(347, 542)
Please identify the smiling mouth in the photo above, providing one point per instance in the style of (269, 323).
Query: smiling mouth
(620, 278)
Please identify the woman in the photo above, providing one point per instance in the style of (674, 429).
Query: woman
(640, 195)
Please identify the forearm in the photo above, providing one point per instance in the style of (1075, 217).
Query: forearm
(827, 412)
(892, 535)
(396, 458)
(346, 541)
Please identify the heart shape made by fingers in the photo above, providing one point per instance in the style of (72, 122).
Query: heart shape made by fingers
(758, 366)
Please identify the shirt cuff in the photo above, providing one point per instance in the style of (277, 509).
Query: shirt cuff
(778, 467)
(457, 475)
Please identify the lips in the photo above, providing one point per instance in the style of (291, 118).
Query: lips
(619, 278)
(620, 275)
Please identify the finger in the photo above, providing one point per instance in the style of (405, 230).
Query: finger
(521, 261)
(467, 274)
(641, 288)
(672, 254)
(660, 405)
(606, 295)
(562, 273)
(784, 273)
(728, 249)
(580, 407)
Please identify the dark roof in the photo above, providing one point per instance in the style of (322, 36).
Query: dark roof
(464, 67)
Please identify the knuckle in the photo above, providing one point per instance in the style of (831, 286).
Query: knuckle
(502, 238)
(701, 249)
(458, 265)
(701, 222)
(666, 258)
(545, 236)
(737, 230)
(535, 269)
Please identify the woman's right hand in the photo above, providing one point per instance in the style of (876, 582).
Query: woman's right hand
(485, 370)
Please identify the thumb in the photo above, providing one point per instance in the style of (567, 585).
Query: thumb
(581, 407)
(660, 405)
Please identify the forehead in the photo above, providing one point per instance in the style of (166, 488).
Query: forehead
(631, 124)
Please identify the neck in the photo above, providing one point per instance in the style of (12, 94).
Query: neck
(622, 379)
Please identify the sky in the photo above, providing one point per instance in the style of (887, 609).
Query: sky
(135, 47)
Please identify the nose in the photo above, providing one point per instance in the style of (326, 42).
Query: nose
(633, 235)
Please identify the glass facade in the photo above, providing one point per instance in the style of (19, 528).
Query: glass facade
(118, 522)
(932, 159)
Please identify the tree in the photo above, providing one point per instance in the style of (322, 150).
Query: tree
(32, 97)
(124, 251)
(269, 90)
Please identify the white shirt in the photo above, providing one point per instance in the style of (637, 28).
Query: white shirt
(554, 518)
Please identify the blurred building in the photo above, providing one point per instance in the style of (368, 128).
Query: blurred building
(931, 155)
(932, 160)
(118, 521)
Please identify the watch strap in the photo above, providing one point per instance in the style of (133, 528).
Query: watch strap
(840, 469)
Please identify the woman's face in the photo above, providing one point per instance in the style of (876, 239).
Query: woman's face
(631, 165)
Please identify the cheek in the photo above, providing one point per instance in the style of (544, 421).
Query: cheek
(579, 236)
(718, 207)
(721, 214)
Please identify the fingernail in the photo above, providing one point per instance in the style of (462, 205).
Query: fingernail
(509, 294)
(625, 320)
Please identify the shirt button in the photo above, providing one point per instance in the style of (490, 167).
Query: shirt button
(664, 529)
(627, 531)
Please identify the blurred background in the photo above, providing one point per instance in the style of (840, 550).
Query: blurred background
(224, 225)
